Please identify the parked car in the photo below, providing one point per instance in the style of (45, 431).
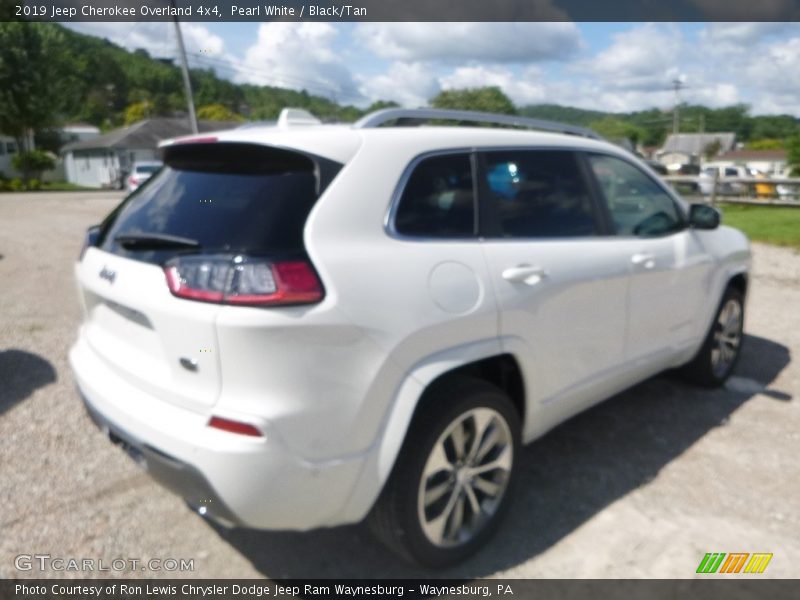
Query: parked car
(141, 172)
(723, 174)
(301, 327)
(657, 167)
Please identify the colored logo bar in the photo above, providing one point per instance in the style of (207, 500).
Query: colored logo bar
(734, 562)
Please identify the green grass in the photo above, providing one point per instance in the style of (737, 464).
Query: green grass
(59, 186)
(776, 225)
(63, 186)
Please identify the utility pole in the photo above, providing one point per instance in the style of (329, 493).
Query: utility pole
(187, 84)
(677, 84)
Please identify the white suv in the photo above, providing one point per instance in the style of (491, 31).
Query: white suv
(301, 326)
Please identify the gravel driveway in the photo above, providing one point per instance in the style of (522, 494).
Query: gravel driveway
(640, 486)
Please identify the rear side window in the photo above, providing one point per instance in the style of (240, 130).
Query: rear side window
(224, 197)
(438, 200)
(537, 194)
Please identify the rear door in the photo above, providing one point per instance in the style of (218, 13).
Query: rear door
(561, 283)
(225, 198)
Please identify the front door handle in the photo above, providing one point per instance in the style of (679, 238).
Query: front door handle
(524, 274)
(648, 261)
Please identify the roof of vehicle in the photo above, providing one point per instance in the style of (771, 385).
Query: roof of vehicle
(341, 142)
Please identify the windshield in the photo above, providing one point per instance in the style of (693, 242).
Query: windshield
(147, 168)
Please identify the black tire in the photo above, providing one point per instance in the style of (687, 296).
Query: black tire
(397, 518)
(704, 369)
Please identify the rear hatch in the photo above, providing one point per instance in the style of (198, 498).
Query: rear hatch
(210, 199)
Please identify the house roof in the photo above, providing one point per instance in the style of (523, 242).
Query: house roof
(769, 155)
(147, 134)
(696, 143)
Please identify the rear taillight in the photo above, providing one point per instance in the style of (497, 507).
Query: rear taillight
(243, 280)
(132, 180)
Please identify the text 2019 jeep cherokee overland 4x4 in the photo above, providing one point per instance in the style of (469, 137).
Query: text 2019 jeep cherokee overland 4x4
(296, 327)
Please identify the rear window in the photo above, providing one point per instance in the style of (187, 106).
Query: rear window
(147, 168)
(237, 198)
(438, 200)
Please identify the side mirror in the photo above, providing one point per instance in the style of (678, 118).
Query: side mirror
(703, 216)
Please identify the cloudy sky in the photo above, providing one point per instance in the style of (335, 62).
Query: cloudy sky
(606, 66)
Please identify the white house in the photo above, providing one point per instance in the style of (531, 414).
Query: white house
(771, 162)
(103, 161)
(690, 148)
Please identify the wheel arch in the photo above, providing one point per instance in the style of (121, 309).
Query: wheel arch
(483, 360)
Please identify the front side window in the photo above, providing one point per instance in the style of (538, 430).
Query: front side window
(438, 199)
(537, 194)
(637, 204)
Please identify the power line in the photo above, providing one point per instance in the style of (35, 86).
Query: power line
(330, 90)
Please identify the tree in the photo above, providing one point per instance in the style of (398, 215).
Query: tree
(217, 112)
(138, 112)
(380, 105)
(33, 162)
(616, 129)
(485, 99)
(793, 154)
(35, 81)
(766, 144)
(712, 149)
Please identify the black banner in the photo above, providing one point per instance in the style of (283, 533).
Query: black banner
(734, 588)
(402, 10)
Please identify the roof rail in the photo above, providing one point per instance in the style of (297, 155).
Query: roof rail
(380, 117)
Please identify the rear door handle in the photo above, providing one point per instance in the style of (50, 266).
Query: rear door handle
(524, 274)
(648, 261)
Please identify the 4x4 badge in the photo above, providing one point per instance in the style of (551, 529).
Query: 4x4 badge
(108, 274)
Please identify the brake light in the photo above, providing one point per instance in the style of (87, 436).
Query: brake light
(132, 180)
(243, 280)
(235, 427)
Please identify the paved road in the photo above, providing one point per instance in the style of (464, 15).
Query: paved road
(641, 486)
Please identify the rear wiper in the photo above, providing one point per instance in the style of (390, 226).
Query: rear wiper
(154, 240)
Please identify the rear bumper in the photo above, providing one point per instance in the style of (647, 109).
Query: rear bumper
(241, 480)
(178, 477)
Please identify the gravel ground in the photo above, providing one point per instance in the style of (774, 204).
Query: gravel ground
(640, 486)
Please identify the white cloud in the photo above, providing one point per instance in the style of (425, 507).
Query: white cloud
(457, 42)
(408, 84)
(157, 38)
(298, 56)
(732, 34)
(522, 89)
(645, 58)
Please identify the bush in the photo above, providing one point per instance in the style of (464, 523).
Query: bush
(34, 184)
(16, 185)
(33, 162)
